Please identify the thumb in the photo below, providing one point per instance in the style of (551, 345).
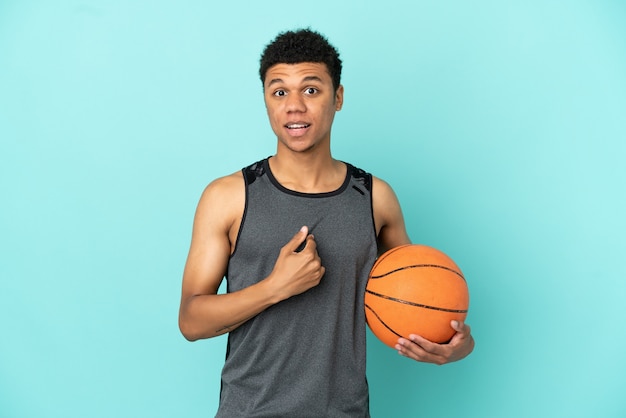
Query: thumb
(459, 326)
(298, 241)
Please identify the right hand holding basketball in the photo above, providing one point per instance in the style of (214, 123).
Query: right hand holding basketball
(297, 271)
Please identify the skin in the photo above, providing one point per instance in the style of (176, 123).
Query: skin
(301, 103)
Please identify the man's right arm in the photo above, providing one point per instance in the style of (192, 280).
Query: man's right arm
(204, 313)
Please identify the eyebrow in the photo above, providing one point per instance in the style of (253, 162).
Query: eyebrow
(305, 79)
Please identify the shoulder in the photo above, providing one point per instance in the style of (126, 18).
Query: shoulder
(360, 176)
(385, 203)
(388, 216)
(234, 184)
(379, 188)
(381, 191)
(223, 199)
(225, 187)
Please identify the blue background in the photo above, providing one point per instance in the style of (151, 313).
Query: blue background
(500, 124)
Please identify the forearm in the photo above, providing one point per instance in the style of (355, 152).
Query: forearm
(207, 316)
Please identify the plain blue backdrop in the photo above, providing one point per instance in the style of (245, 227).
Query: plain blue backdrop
(500, 124)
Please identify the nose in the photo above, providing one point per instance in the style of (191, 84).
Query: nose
(295, 103)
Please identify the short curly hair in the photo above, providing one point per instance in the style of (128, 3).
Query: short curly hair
(302, 45)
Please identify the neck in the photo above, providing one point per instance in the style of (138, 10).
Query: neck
(308, 173)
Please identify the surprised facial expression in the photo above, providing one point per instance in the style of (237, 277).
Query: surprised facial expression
(301, 104)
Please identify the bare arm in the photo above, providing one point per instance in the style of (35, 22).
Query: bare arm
(203, 313)
(392, 233)
(388, 217)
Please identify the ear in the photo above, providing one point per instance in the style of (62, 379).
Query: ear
(339, 98)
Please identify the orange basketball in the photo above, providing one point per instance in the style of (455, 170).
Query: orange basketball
(415, 289)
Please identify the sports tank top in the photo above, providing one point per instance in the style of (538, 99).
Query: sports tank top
(305, 356)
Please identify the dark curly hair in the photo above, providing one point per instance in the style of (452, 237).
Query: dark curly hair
(303, 45)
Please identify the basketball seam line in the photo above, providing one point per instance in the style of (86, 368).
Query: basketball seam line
(381, 320)
(419, 305)
(418, 265)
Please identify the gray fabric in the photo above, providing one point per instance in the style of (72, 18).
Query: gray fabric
(304, 357)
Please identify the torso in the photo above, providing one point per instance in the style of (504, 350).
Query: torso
(283, 359)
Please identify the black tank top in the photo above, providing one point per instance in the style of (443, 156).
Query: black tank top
(305, 356)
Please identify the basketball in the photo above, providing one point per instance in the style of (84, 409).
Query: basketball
(415, 289)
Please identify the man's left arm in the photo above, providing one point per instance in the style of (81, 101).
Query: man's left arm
(391, 232)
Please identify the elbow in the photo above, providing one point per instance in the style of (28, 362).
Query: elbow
(186, 324)
(187, 330)
(189, 336)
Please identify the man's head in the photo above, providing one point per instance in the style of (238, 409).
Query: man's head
(304, 45)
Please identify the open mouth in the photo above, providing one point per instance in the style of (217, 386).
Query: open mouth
(297, 125)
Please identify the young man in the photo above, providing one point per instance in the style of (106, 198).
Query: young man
(296, 235)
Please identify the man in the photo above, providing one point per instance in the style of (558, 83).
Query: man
(295, 235)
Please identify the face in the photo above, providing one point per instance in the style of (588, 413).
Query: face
(301, 104)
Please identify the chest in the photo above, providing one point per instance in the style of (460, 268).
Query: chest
(342, 224)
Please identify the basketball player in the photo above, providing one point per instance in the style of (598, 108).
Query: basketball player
(295, 235)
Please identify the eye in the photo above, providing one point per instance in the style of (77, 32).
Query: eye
(280, 93)
(310, 90)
